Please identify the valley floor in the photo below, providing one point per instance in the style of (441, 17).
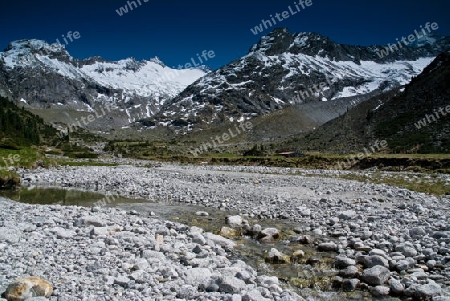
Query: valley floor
(386, 240)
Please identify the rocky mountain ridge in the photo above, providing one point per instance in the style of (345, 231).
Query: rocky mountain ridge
(285, 69)
(43, 76)
(305, 70)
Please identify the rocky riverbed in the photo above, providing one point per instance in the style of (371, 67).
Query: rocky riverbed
(387, 240)
(111, 254)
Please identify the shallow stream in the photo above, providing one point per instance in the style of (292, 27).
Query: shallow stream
(310, 276)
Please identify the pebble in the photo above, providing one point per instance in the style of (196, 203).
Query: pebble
(380, 290)
(375, 275)
(343, 262)
(396, 286)
(202, 213)
(349, 285)
(268, 234)
(327, 246)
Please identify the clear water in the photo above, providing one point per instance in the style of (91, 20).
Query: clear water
(311, 282)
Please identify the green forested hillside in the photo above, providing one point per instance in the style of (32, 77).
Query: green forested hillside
(19, 127)
(21, 135)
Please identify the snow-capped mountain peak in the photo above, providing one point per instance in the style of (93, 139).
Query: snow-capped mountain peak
(281, 67)
(23, 52)
(284, 66)
(40, 73)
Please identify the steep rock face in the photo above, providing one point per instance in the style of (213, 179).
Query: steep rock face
(285, 68)
(44, 76)
(413, 119)
(418, 120)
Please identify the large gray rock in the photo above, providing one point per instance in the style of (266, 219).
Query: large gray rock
(197, 276)
(26, 227)
(186, 292)
(347, 215)
(212, 288)
(202, 213)
(406, 250)
(10, 235)
(411, 290)
(231, 285)
(304, 239)
(396, 286)
(349, 272)
(268, 234)
(256, 229)
(234, 221)
(198, 238)
(96, 231)
(417, 232)
(441, 234)
(63, 233)
(405, 264)
(254, 295)
(342, 262)
(267, 281)
(376, 275)
(428, 290)
(304, 211)
(377, 252)
(221, 241)
(152, 256)
(122, 281)
(371, 261)
(327, 247)
(349, 285)
(275, 256)
(93, 221)
(380, 290)
(141, 264)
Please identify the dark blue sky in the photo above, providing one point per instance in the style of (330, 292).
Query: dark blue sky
(177, 30)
